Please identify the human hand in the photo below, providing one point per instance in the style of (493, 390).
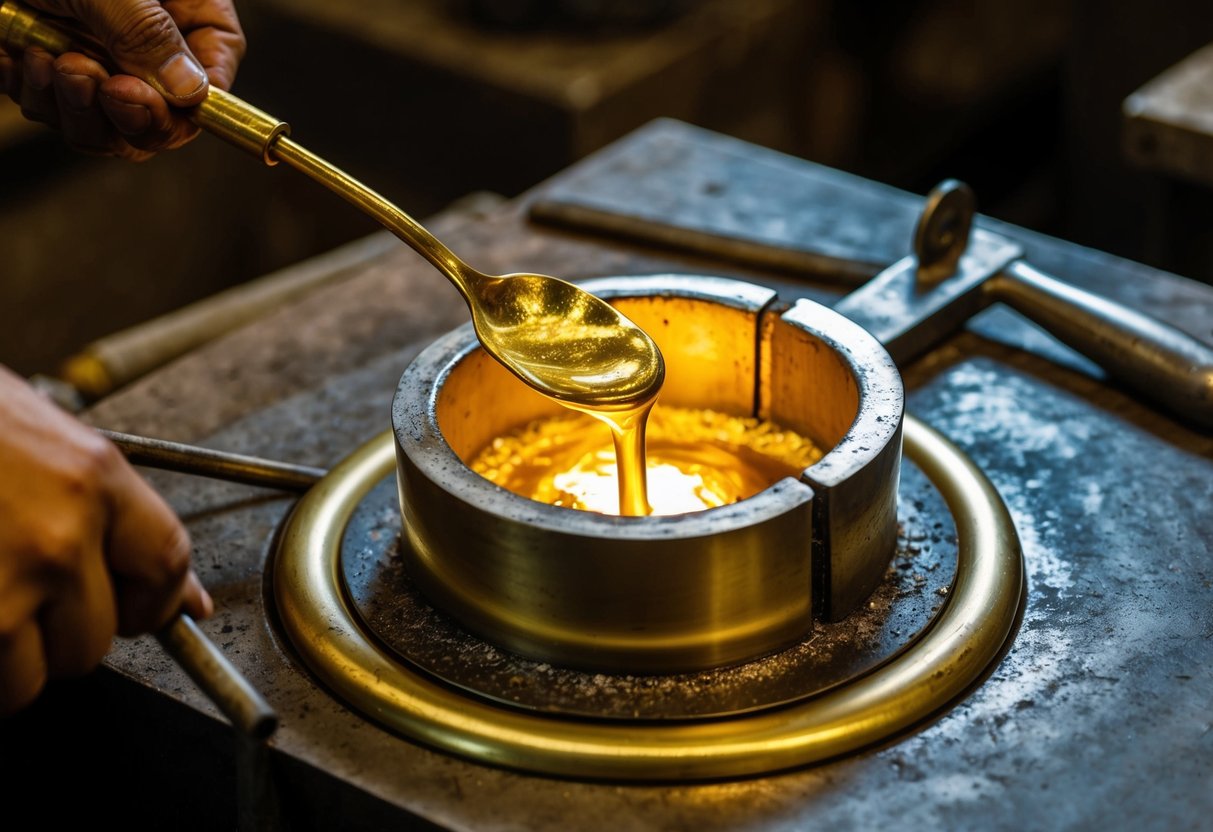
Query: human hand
(170, 52)
(87, 548)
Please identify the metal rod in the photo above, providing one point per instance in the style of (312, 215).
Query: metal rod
(214, 675)
(191, 459)
(218, 678)
(121, 357)
(1162, 363)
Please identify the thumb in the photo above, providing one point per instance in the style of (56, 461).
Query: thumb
(144, 41)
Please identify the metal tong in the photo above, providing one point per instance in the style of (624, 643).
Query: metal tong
(956, 271)
(264, 136)
(192, 650)
(197, 655)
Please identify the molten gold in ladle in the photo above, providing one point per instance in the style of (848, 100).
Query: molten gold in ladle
(556, 337)
(559, 339)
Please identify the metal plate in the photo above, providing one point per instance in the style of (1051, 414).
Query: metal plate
(968, 636)
(390, 606)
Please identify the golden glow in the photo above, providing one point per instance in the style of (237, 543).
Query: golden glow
(935, 668)
(628, 430)
(697, 459)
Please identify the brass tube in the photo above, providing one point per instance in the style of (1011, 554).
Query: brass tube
(22, 28)
(372, 204)
(240, 123)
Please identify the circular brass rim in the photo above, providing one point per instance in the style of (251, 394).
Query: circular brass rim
(951, 655)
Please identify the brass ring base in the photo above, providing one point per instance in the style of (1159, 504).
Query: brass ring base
(966, 638)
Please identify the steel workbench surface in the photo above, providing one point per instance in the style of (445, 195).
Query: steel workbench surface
(1099, 716)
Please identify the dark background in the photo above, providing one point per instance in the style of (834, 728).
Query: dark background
(429, 101)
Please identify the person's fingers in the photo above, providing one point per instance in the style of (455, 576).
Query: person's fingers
(37, 93)
(195, 600)
(143, 39)
(22, 663)
(79, 621)
(84, 125)
(213, 33)
(54, 509)
(61, 514)
(165, 55)
(87, 546)
(142, 116)
(149, 555)
(170, 45)
(10, 75)
(22, 667)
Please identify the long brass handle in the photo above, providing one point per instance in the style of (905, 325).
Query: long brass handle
(1157, 360)
(221, 113)
(243, 125)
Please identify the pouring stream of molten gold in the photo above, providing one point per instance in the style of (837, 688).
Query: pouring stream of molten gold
(582, 353)
(696, 459)
(628, 466)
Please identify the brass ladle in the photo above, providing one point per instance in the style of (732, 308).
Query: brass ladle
(556, 337)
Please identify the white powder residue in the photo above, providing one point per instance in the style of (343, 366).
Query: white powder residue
(989, 406)
(989, 411)
(1032, 674)
(1092, 501)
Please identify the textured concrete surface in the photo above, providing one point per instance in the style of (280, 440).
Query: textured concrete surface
(1097, 717)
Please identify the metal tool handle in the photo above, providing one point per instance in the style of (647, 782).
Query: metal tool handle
(221, 113)
(243, 125)
(116, 359)
(218, 678)
(1157, 360)
(1162, 363)
(191, 459)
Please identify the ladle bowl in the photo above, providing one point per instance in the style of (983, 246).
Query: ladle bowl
(564, 342)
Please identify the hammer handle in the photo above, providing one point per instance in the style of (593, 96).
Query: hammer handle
(1162, 363)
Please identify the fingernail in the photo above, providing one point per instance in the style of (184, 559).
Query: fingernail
(78, 91)
(208, 603)
(181, 76)
(130, 119)
(39, 69)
